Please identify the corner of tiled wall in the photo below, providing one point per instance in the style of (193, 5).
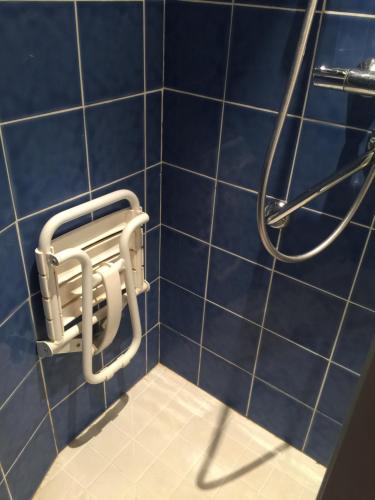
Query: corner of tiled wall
(80, 115)
(283, 344)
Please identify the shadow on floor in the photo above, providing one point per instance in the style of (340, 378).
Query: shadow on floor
(96, 428)
(211, 452)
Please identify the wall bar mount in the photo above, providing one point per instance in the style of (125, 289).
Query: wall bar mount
(88, 276)
(278, 212)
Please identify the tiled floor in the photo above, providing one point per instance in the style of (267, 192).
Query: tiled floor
(167, 439)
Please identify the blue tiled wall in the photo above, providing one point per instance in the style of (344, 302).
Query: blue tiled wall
(283, 344)
(80, 116)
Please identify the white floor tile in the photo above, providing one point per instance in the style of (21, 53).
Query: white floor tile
(161, 479)
(133, 461)
(157, 443)
(86, 466)
(61, 487)
(112, 484)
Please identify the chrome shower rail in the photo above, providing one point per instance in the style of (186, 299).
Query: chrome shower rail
(279, 217)
(261, 203)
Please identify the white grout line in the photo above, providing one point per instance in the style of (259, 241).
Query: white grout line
(343, 317)
(241, 105)
(248, 5)
(26, 444)
(4, 480)
(78, 107)
(13, 312)
(215, 187)
(254, 323)
(161, 159)
(256, 5)
(145, 184)
(25, 274)
(4, 229)
(13, 392)
(253, 191)
(265, 310)
(82, 98)
(247, 372)
(78, 196)
(305, 101)
(270, 269)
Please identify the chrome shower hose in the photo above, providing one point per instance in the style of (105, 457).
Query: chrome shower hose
(261, 203)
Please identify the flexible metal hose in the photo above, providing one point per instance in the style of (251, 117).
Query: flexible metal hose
(261, 203)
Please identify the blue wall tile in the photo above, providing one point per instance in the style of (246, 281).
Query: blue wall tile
(246, 135)
(230, 337)
(112, 48)
(305, 231)
(363, 291)
(35, 459)
(152, 256)
(343, 42)
(323, 150)
(12, 279)
(188, 202)
(153, 128)
(279, 414)
(17, 350)
(235, 225)
(290, 368)
(15, 432)
(154, 43)
(63, 374)
(179, 354)
(153, 195)
(224, 381)
(184, 260)
(77, 411)
(357, 334)
(181, 310)
(153, 348)
(153, 305)
(323, 438)
(338, 392)
(4, 495)
(6, 208)
(278, 3)
(237, 285)
(362, 6)
(263, 44)
(191, 132)
(115, 137)
(46, 156)
(46, 160)
(39, 58)
(196, 63)
(302, 314)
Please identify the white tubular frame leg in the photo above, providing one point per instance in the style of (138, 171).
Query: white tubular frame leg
(130, 288)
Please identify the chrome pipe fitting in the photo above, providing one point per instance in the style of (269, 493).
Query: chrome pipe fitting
(360, 80)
